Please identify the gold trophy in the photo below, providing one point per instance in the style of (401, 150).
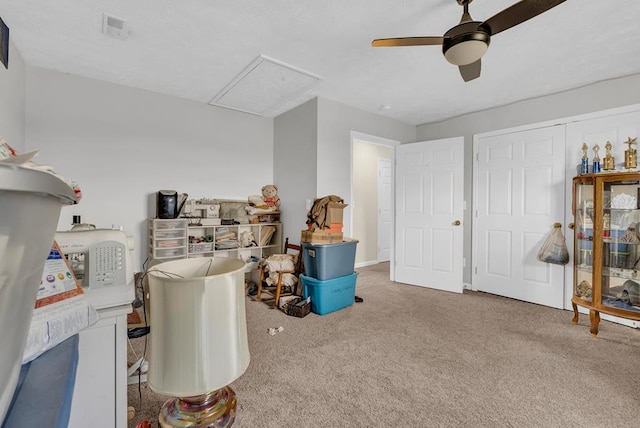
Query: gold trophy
(630, 155)
(609, 162)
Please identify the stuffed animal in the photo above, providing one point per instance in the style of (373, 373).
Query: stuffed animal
(270, 196)
(248, 239)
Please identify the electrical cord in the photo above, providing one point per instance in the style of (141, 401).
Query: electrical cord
(134, 333)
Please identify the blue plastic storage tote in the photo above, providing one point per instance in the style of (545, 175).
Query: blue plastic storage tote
(328, 261)
(330, 295)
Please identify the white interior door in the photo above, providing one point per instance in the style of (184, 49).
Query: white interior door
(429, 212)
(385, 210)
(520, 195)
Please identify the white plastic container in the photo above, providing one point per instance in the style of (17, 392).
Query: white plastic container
(30, 203)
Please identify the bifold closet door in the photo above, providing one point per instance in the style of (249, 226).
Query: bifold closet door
(520, 194)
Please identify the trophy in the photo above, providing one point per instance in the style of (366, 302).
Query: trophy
(630, 155)
(584, 166)
(596, 159)
(609, 161)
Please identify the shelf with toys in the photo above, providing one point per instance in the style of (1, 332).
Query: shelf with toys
(246, 229)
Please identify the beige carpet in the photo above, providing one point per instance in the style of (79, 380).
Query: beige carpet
(415, 357)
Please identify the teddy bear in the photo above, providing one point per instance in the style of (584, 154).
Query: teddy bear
(270, 196)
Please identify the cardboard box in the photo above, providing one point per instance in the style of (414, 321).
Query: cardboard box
(320, 237)
(334, 228)
(334, 212)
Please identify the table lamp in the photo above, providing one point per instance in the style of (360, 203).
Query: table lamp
(198, 339)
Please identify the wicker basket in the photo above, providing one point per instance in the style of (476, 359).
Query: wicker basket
(201, 247)
(290, 308)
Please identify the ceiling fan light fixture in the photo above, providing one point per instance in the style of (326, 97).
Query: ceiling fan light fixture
(466, 43)
(466, 48)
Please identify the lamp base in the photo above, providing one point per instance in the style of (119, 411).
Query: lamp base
(216, 409)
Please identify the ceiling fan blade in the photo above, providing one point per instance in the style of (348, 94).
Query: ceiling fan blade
(517, 14)
(470, 71)
(407, 41)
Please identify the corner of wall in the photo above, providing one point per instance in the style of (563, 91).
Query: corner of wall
(13, 99)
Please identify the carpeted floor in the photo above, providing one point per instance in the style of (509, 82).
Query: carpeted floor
(415, 357)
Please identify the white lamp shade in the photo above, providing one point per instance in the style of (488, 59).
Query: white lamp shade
(198, 326)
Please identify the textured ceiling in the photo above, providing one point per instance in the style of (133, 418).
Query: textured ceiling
(195, 48)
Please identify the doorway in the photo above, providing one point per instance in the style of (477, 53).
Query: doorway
(366, 151)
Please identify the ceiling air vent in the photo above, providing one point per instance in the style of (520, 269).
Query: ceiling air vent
(114, 27)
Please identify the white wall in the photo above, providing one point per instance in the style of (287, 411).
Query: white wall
(335, 123)
(12, 100)
(599, 96)
(313, 155)
(295, 169)
(122, 145)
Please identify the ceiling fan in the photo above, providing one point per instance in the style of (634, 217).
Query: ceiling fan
(464, 44)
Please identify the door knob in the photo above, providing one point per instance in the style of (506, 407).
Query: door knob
(456, 223)
(571, 225)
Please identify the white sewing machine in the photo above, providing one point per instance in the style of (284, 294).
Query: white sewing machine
(101, 261)
(102, 258)
(206, 211)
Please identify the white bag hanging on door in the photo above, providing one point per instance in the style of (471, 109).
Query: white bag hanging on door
(554, 248)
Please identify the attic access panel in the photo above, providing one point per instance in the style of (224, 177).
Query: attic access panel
(264, 85)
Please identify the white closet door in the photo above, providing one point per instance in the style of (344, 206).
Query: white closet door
(520, 192)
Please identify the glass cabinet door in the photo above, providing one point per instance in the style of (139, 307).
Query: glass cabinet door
(583, 250)
(621, 245)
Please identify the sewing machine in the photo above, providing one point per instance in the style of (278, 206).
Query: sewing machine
(101, 261)
(206, 211)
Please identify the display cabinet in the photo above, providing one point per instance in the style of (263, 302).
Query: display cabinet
(606, 246)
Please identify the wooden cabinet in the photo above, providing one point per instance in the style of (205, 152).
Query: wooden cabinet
(607, 246)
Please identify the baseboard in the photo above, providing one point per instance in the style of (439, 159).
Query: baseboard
(363, 264)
